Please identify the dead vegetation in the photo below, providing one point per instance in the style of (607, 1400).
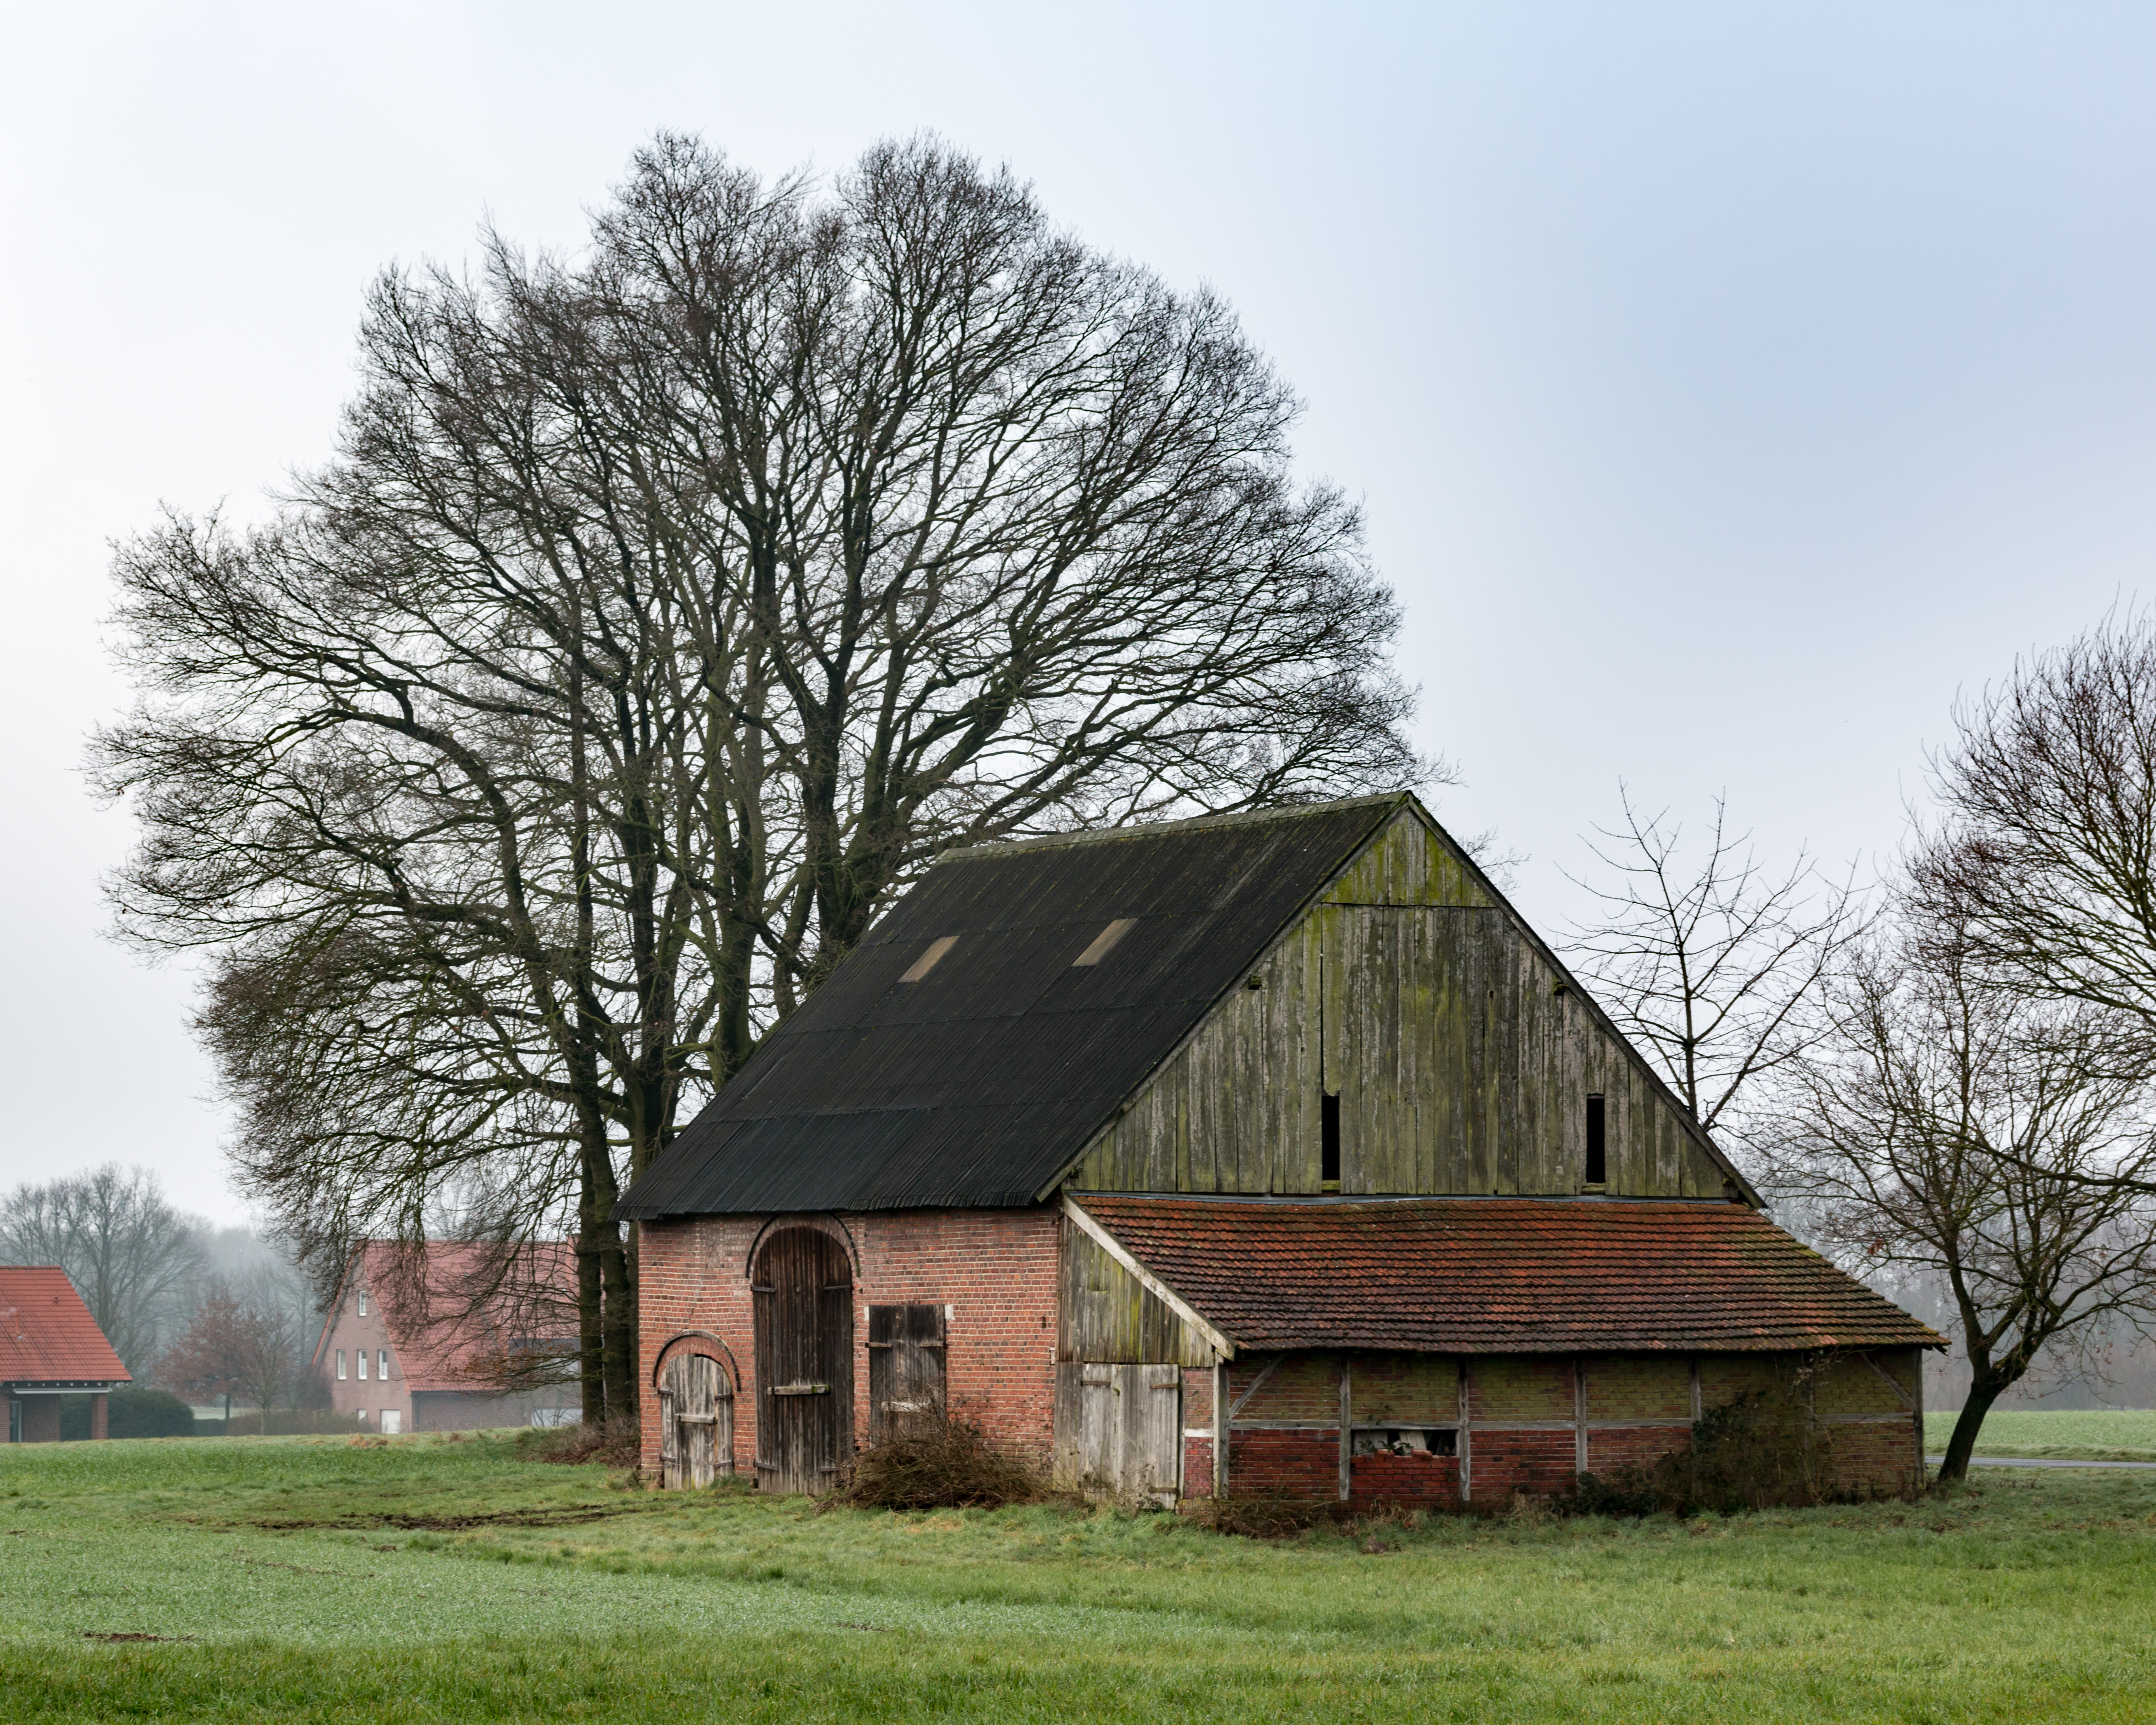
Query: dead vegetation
(956, 1465)
(1763, 1450)
(611, 1443)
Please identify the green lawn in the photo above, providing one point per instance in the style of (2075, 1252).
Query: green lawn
(297, 1579)
(2108, 1434)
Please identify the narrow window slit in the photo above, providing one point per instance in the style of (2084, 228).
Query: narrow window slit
(1328, 1152)
(1597, 1144)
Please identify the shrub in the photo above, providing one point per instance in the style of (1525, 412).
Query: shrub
(148, 1413)
(954, 1466)
(1765, 1448)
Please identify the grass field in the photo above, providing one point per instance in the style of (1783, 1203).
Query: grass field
(2106, 1435)
(297, 1579)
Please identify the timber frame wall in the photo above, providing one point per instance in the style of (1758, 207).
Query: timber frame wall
(1519, 1423)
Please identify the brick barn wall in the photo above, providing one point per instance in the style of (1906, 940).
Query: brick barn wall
(1528, 1413)
(996, 1269)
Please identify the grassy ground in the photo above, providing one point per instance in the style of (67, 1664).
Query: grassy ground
(2107, 1434)
(291, 1578)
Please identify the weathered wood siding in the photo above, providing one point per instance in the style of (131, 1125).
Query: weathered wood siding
(1460, 1066)
(1107, 1315)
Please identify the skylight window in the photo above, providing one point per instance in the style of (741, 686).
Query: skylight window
(929, 959)
(1104, 942)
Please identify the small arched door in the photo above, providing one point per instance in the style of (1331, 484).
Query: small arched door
(696, 1422)
(803, 1288)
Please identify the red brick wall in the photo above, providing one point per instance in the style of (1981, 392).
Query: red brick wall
(994, 1269)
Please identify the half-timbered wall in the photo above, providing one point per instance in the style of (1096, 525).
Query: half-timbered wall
(1462, 1062)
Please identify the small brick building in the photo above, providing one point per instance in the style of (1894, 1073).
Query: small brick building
(51, 1347)
(1266, 1153)
(445, 1337)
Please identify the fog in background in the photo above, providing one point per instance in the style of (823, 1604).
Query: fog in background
(1728, 385)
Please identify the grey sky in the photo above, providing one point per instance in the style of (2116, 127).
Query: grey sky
(1728, 385)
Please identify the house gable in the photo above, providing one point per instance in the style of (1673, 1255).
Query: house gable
(1461, 1051)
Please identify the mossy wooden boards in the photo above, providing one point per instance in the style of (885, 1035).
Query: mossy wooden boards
(1462, 1058)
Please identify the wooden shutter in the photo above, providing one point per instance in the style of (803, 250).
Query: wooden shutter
(906, 1371)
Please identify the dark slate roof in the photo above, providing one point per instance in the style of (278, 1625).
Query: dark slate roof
(979, 1084)
(1500, 1275)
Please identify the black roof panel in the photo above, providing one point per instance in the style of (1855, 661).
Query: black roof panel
(977, 1085)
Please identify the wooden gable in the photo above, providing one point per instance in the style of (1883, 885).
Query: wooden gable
(1462, 1055)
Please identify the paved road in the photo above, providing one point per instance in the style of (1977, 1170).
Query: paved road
(2033, 1462)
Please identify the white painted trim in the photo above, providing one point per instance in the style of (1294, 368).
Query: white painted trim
(1221, 1345)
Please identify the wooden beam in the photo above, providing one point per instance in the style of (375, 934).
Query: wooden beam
(1220, 1429)
(1346, 1427)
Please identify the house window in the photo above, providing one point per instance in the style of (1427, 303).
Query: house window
(360, 1414)
(340, 1365)
(382, 1365)
(1328, 1151)
(1597, 1157)
(362, 1365)
(362, 1302)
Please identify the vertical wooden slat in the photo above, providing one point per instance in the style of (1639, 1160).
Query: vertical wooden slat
(1346, 1422)
(1220, 1427)
(1466, 1432)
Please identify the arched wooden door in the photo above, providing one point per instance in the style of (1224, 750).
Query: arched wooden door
(804, 1360)
(696, 1422)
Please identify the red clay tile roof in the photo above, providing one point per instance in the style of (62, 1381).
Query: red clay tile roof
(47, 1335)
(443, 1341)
(1501, 1276)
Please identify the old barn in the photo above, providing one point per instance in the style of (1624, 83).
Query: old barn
(1266, 1153)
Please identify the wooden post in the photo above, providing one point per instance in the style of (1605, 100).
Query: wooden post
(1466, 1449)
(1219, 1428)
(98, 1415)
(1695, 1390)
(1346, 1429)
(1579, 1415)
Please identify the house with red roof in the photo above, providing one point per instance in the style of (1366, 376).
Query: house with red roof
(450, 1336)
(1271, 1153)
(51, 1347)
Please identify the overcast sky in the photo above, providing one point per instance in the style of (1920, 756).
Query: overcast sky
(1729, 386)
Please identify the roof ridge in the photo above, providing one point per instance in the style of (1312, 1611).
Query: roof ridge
(1146, 829)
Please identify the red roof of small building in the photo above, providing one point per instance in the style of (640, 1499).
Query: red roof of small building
(47, 1335)
(1500, 1276)
(452, 1326)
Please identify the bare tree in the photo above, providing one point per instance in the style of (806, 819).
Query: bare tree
(1953, 1129)
(2046, 851)
(239, 1344)
(1717, 965)
(664, 614)
(128, 1252)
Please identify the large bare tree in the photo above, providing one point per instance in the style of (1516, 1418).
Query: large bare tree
(665, 611)
(1717, 965)
(2001, 1145)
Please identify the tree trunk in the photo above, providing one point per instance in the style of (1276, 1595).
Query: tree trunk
(1984, 1388)
(591, 1317)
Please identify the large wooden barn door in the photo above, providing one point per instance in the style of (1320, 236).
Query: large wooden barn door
(906, 1371)
(804, 1361)
(1119, 1430)
(696, 1422)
